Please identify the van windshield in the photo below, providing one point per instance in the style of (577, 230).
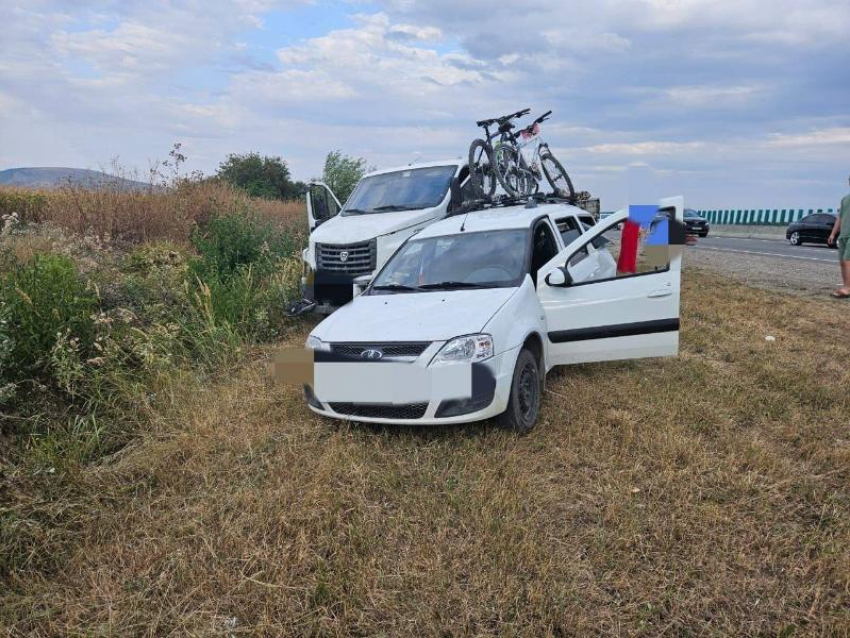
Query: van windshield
(400, 190)
(489, 259)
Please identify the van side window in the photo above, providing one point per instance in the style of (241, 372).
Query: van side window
(568, 227)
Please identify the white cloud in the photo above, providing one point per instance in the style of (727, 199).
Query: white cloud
(653, 148)
(825, 137)
(711, 96)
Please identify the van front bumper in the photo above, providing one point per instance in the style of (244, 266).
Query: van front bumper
(491, 386)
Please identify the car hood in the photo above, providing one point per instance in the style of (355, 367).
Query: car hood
(357, 228)
(415, 316)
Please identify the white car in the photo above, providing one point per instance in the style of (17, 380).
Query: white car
(468, 316)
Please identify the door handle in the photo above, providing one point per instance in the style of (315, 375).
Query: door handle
(657, 294)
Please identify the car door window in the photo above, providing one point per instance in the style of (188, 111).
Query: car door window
(324, 206)
(580, 256)
(543, 247)
(634, 250)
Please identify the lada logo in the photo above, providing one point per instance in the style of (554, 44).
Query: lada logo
(343, 256)
(371, 355)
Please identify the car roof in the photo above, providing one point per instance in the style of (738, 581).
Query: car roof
(499, 218)
(456, 162)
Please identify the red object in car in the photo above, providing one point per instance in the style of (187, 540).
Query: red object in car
(627, 263)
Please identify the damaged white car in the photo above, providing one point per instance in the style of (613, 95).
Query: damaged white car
(467, 317)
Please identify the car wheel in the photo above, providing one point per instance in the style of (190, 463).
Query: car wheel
(524, 401)
(795, 239)
(704, 234)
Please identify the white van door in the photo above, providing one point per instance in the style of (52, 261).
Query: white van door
(322, 204)
(595, 312)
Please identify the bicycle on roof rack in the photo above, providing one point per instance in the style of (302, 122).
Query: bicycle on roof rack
(518, 163)
(482, 171)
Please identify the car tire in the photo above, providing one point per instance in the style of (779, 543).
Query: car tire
(794, 239)
(525, 396)
(705, 234)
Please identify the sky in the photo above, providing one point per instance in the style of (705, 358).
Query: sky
(731, 103)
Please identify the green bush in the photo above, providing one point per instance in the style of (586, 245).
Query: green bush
(41, 302)
(244, 275)
(231, 243)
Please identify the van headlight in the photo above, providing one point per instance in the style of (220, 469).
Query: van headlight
(314, 343)
(468, 349)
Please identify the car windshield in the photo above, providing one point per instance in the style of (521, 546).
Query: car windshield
(490, 259)
(412, 189)
(691, 213)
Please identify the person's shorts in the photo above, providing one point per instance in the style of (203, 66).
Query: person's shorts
(844, 248)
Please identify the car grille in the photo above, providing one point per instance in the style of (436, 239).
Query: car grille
(355, 259)
(381, 411)
(389, 350)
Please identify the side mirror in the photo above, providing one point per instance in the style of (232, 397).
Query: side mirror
(559, 278)
(359, 284)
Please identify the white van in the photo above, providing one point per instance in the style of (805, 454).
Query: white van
(385, 209)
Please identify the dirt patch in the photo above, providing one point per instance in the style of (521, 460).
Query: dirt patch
(701, 495)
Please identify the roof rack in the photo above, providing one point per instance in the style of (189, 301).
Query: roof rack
(504, 201)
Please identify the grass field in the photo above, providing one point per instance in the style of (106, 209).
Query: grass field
(705, 495)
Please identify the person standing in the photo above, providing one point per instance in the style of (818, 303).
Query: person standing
(841, 230)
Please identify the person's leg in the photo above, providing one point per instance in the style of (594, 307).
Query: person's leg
(844, 260)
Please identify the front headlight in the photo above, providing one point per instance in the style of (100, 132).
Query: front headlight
(468, 349)
(314, 343)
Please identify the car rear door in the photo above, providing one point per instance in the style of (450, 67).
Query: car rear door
(808, 228)
(322, 204)
(625, 315)
(823, 227)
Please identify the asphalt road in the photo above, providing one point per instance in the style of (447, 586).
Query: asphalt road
(767, 248)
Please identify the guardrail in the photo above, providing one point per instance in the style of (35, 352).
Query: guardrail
(759, 217)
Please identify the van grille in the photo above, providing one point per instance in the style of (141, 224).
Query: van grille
(354, 259)
(381, 411)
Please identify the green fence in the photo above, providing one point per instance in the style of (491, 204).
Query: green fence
(761, 216)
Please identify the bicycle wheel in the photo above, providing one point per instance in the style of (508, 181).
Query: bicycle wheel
(481, 169)
(528, 184)
(557, 175)
(506, 163)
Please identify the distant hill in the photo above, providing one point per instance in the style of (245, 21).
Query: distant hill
(56, 177)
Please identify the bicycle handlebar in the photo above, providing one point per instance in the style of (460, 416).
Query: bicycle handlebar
(504, 118)
(543, 117)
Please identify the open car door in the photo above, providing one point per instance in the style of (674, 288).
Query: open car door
(322, 204)
(601, 305)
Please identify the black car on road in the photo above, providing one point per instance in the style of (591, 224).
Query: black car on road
(695, 224)
(814, 228)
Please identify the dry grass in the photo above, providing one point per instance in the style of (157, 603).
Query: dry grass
(145, 215)
(700, 496)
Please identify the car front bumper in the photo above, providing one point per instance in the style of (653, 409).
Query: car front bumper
(491, 386)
